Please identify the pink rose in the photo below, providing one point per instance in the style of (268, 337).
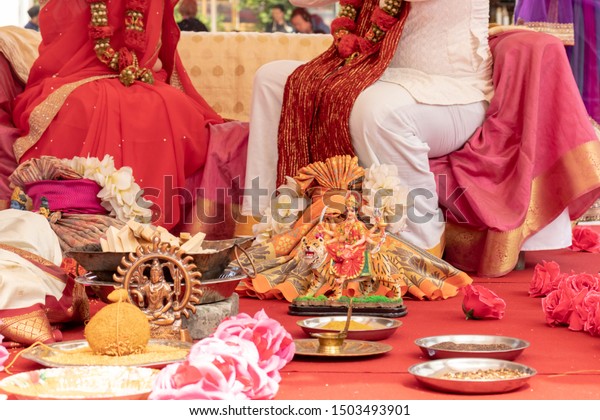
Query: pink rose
(481, 303)
(557, 307)
(240, 356)
(591, 304)
(183, 381)
(241, 360)
(275, 345)
(3, 353)
(216, 370)
(545, 278)
(585, 239)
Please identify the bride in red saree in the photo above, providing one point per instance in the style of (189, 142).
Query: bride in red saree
(79, 100)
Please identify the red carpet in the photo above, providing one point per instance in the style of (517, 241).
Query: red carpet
(568, 362)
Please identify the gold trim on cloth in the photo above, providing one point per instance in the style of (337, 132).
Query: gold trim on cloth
(563, 31)
(175, 81)
(494, 254)
(44, 113)
(26, 328)
(592, 215)
(36, 259)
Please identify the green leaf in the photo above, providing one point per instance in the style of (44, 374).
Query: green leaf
(468, 313)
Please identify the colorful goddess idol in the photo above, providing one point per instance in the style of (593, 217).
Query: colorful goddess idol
(347, 243)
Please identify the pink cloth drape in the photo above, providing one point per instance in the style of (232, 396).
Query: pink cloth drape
(9, 88)
(536, 152)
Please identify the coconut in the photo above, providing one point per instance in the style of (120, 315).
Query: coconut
(118, 329)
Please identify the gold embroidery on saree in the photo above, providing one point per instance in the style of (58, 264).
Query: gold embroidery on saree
(43, 114)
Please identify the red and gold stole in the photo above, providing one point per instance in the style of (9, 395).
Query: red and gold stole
(30, 324)
(319, 95)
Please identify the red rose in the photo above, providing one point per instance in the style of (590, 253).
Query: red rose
(591, 305)
(580, 311)
(481, 303)
(576, 283)
(546, 277)
(557, 307)
(585, 239)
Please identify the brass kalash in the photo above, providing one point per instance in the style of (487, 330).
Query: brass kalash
(144, 275)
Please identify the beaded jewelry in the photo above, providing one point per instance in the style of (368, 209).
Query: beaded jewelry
(350, 45)
(124, 60)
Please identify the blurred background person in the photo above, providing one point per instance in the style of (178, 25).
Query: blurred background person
(279, 23)
(305, 22)
(189, 22)
(33, 23)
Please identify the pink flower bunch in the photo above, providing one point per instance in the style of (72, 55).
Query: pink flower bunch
(585, 239)
(240, 361)
(480, 302)
(3, 353)
(571, 300)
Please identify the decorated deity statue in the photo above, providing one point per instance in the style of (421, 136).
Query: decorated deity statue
(347, 242)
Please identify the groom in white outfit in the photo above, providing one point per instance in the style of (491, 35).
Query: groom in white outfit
(427, 103)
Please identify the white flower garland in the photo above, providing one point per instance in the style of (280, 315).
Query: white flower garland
(282, 213)
(384, 195)
(120, 194)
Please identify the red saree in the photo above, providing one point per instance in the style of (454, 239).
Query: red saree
(74, 105)
(535, 155)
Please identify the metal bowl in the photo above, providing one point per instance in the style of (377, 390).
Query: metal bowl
(104, 264)
(472, 346)
(379, 328)
(431, 374)
(81, 383)
(213, 290)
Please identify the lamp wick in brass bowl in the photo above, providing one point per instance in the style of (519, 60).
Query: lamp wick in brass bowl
(333, 342)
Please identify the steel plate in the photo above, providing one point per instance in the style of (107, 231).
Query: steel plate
(472, 346)
(432, 373)
(81, 383)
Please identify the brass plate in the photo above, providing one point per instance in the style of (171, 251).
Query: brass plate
(431, 375)
(45, 355)
(516, 346)
(81, 383)
(350, 348)
(379, 328)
